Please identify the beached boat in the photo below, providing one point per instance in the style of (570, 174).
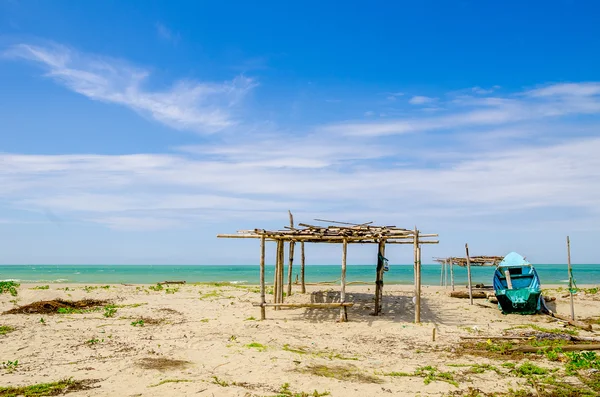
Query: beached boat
(517, 285)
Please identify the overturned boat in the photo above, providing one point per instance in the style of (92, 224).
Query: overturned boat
(517, 285)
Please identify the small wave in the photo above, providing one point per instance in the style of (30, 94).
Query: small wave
(77, 273)
(239, 282)
(15, 280)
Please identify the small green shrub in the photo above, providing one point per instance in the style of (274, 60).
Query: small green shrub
(10, 287)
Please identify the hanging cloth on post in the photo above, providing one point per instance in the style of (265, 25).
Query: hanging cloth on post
(382, 262)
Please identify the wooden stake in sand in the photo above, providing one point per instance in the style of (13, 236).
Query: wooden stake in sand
(281, 271)
(469, 275)
(417, 271)
(291, 258)
(379, 278)
(343, 309)
(276, 275)
(452, 274)
(570, 278)
(263, 315)
(302, 264)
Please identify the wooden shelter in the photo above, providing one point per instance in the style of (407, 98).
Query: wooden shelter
(335, 233)
(467, 262)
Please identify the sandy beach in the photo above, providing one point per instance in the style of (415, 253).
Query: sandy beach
(202, 339)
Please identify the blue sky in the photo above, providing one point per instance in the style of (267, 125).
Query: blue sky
(133, 132)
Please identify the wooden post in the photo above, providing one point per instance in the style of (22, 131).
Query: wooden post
(262, 278)
(445, 283)
(441, 274)
(379, 278)
(416, 270)
(570, 278)
(302, 265)
(418, 300)
(291, 258)
(452, 273)
(343, 309)
(276, 276)
(469, 274)
(281, 271)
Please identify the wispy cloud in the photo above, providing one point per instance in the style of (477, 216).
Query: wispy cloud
(192, 105)
(262, 180)
(553, 101)
(421, 100)
(167, 34)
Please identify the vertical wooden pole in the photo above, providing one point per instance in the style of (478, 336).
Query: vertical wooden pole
(377, 281)
(417, 266)
(570, 278)
(276, 275)
(262, 278)
(418, 300)
(445, 274)
(441, 274)
(281, 271)
(290, 265)
(291, 257)
(343, 310)
(452, 273)
(302, 258)
(469, 275)
(379, 278)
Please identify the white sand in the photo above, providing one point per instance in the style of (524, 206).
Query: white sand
(211, 328)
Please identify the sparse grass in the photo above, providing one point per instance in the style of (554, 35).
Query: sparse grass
(481, 368)
(220, 382)
(590, 291)
(252, 318)
(41, 287)
(6, 329)
(10, 366)
(285, 391)
(157, 287)
(109, 311)
(47, 389)
(170, 381)
(10, 287)
(345, 373)
(138, 323)
(162, 363)
(558, 331)
(94, 341)
(527, 369)
(71, 310)
(212, 294)
(324, 354)
(171, 290)
(429, 374)
(258, 346)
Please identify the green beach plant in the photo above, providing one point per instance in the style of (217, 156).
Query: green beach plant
(10, 287)
(5, 329)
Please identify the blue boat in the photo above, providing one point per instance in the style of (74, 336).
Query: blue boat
(517, 286)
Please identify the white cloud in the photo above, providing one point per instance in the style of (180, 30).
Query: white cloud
(197, 106)
(421, 100)
(150, 192)
(167, 34)
(567, 89)
(468, 112)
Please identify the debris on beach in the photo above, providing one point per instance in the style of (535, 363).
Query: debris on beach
(54, 306)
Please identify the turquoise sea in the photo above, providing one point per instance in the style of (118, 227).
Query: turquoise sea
(249, 274)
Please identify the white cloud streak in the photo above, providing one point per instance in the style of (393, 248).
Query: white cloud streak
(468, 112)
(420, 100)
(197, 106)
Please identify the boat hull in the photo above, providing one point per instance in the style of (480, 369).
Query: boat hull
(517, 286)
